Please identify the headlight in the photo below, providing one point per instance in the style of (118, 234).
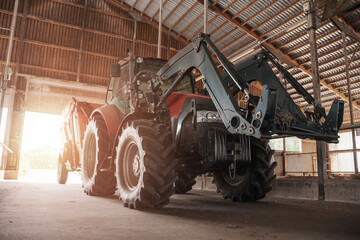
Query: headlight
(139, 60)
(212, 116)
(208, 116)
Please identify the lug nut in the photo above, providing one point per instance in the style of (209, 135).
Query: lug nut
(243, 126)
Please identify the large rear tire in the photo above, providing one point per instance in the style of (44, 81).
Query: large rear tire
(252, 182)
(96, 141)
(184, 182)
(145, 165)
(62, 172)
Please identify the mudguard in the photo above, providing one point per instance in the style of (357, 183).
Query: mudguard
(112, 117)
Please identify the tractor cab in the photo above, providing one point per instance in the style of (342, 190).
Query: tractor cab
(132, 79)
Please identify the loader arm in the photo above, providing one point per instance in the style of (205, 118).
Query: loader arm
(197, 55)
(273, 112)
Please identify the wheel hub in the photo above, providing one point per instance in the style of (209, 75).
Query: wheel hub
(136, 165)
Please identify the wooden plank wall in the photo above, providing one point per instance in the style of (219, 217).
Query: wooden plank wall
(53, 34)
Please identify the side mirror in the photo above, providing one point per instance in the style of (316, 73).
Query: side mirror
(115, 70)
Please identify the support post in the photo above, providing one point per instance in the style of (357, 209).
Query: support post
(83, 26)
(309, 9)
(160, 29)
(5, 78)
(284, 156)
(206, 11)
(134, 37)
(350, 102)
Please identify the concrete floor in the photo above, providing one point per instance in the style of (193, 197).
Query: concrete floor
(32, 210)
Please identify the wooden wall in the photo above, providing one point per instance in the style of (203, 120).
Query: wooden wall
(59, 32)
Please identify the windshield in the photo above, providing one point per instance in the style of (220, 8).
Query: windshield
(117, 85)
(154, 65)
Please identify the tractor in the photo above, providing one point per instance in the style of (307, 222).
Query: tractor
(75, 118)
(157, 131)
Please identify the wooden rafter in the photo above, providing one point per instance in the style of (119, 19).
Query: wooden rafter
(173, 10)
(134, 5)
(216, 2)
(183, 16)
(147, 18)
(156, 13)
(243, 10)
(190, 24)
(348, 29)
(219, 27)
(230, 5)
(232, 42)
(225, 35)
(301, 45)
(323, 55)
(281, 24)
(274, 16)
(260, 12)
(241, 47)
(201, 28)
(218, 10)
(146, 7)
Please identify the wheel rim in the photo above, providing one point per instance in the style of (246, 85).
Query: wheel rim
(131, 165)
(240, 176)
(90, 160)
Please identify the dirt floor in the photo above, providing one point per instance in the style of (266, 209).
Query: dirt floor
(33, 210)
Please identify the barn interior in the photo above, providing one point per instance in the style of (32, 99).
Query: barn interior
(54, 51)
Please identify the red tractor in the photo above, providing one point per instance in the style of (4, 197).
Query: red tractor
(76, 116)
(155, 134)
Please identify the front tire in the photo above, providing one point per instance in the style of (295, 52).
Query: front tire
(95, 150)
(145, 165)
(252, 182)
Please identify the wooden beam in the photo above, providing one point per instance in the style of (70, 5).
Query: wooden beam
(219, 27)
(146, 7)
(20, 51)
(201, 28)
(274, 16)
(134, 5)
(173, 10)
(232, 42)
(285, 21)
(147, 18)
(237, 23)
(259, 12)
(243, 10)
(344, 27)
(156, 13)
(190, 24)
(183, 16)
(301, 45)
(216, 2)
(225, 35)
(241, 47)
(230, 5)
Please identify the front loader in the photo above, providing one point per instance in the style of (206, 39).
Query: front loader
(155, 134)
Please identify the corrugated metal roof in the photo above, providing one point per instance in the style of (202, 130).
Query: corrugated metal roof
(271, 18)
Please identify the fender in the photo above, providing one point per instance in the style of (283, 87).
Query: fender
(112, 117)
